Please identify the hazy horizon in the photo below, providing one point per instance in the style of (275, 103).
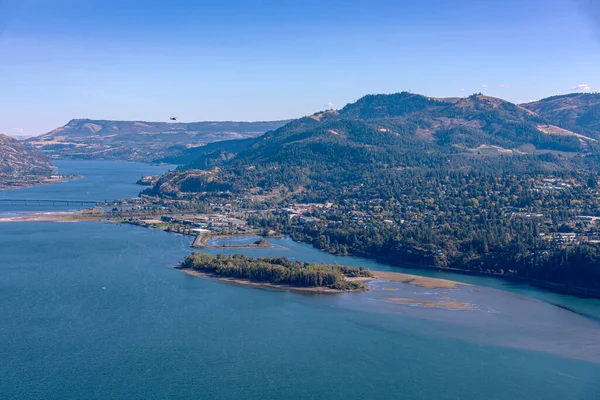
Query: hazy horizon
(24, 136)
(258, 61)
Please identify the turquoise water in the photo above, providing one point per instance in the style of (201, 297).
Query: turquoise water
(96, 311)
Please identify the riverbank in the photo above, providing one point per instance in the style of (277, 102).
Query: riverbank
(203, 236)
(20, 184)
(88, 215)
(550, 286)
(201, 241)
(546, 285)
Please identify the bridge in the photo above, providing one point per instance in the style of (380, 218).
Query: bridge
(48, 202)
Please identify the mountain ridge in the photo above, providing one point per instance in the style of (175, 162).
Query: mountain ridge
(17, 159)
(575, 111)
(379, 134)
(140, 140)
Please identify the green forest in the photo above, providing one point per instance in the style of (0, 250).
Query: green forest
(277, 270)
(501, 224)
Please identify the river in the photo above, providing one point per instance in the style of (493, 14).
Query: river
(94, 310)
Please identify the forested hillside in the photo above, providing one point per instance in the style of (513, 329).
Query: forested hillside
(383, 137)
(577, 111)
(476, 184)
(209, 155)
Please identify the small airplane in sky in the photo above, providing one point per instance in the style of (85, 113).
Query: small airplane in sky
(173, 118)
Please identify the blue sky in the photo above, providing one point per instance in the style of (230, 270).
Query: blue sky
(262, 60)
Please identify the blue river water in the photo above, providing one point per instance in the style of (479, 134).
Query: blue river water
(95, 311)
(100, 181)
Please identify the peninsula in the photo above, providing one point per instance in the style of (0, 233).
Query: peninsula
(283, 273)
(277, 272)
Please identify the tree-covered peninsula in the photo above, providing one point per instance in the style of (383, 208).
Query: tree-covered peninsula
(277, 271)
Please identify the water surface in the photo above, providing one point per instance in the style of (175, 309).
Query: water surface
(96, 311)
(101, 181)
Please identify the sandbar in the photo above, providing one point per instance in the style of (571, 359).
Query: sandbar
(55, 216)
(445, 302)
(421, 281)
(415, 280)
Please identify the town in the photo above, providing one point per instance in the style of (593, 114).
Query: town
(209, 216)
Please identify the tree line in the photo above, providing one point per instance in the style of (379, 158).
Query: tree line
(277, 270)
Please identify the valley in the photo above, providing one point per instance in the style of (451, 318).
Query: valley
(303, 200)
(477, 185)
(87, 139)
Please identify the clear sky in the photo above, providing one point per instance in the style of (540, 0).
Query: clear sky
(262, 60)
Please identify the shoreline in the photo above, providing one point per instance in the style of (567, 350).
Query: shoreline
(551, 287)
(46, 181)
(201, 242)
(51, 216)
(80, 216)
(378, 276)
(536, 283)
(261, 285)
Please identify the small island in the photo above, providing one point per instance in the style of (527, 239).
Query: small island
(262, 243)
(278, 272)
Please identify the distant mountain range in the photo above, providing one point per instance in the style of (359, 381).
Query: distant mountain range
(399, 131)
(18, 160)
(138, 140)
(477, 125)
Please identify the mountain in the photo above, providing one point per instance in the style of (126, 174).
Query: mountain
(447, 125)
(379, 135)
(469, 122)
(210, 154)
(476, 184)
(18, 160)
(138, 140)
(579, 112)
